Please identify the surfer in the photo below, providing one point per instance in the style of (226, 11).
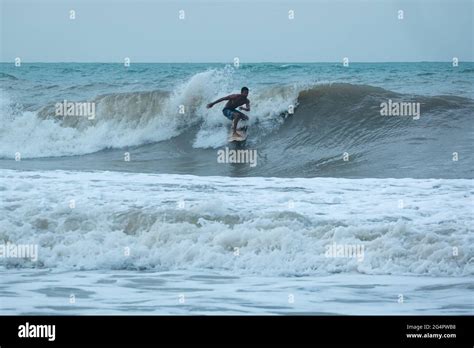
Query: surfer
(235, 101)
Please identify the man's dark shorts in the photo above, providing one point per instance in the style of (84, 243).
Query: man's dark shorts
(229, 113)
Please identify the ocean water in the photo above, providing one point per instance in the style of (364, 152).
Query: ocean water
(174, 231)
(336, 111)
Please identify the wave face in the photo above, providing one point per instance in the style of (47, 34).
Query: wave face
(336, 129)
(280, 226)
(336, 119)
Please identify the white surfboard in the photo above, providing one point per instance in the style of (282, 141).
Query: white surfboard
(243, 135)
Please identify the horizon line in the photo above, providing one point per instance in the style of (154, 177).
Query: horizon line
(231, 63)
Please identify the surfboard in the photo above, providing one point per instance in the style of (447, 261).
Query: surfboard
(242, 131)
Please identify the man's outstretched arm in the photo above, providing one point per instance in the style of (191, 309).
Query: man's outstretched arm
(210, 105)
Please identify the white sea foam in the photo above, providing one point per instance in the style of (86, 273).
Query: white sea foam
(276, 226)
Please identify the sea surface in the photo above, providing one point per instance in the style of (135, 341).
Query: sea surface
(133, 212)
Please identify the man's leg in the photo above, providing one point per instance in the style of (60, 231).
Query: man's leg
(235, 121)
(237, 117)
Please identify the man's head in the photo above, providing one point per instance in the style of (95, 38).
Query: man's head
(244, 91)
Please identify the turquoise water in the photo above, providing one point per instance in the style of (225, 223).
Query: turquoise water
(40, 83)
(336, 111)
(182, 230)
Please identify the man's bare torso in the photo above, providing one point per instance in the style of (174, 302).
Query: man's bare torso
(236, 101)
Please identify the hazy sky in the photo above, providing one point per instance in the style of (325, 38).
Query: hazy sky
(253, 30)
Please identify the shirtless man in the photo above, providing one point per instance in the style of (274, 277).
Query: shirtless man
(233, 102)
